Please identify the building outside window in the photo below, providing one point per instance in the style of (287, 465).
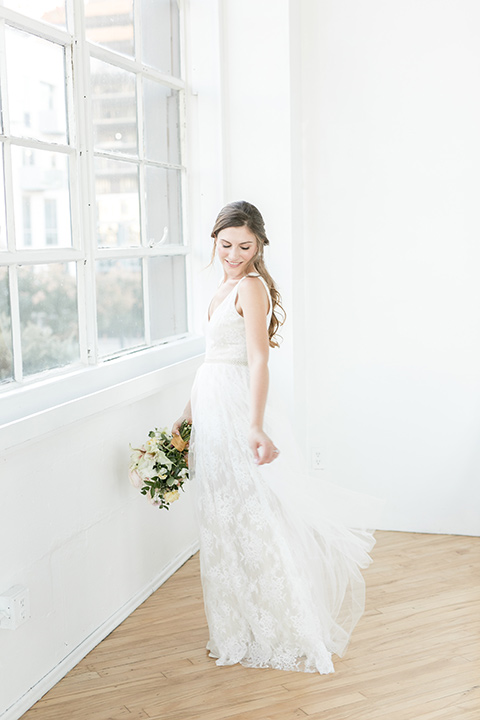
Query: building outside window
(92, 245)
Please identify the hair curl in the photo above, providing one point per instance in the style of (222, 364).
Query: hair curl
(244, 214)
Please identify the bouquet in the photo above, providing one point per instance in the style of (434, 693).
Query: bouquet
(160, 467)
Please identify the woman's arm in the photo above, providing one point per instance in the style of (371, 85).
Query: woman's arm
(253, 305)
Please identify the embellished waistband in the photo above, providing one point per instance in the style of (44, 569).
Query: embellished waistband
(241, 363)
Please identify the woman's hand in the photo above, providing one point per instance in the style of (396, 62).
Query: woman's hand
(186, 416)
(264, 450)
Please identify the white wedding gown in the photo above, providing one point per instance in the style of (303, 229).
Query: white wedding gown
(281, 589)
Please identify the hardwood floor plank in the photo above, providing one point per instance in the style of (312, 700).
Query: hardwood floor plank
(334, 700)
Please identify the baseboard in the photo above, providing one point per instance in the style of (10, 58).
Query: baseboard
(16, 711)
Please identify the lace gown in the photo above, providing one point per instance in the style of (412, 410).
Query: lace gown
(280, 590)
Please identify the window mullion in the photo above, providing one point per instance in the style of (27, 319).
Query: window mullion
(69, 58)
(134, 160)
(70, 16)
(82, 294)
(126, 63)
(3, 80)
(35, 27)
(75, 78)
(90, 244)
(7, 155)
(84, 127)
(35, 144)
(146, 300)
(7, 159)
(183, 174)
(15, 321)
(41, 257)
(142, 189)
(183, 39)
(137, 30)
(139, 252)
(141, 155)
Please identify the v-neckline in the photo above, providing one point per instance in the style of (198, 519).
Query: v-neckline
(210, 315)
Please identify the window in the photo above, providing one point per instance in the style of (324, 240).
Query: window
(92, 248)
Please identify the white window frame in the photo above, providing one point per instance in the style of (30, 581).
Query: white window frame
(23, 405)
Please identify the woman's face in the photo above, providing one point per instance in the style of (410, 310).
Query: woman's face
(236, 247)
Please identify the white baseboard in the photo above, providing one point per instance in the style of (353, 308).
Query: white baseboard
(16, 711)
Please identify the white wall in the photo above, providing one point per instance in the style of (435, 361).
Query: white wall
(353, 127)
(391, 111)
(259, 158)
(84, 542)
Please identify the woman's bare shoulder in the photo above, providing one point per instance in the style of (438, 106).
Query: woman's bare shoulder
(252, 289)
(252, 281)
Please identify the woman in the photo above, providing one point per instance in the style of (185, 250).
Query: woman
(279, 591)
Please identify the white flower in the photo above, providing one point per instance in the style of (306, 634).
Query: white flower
(145, 466)
(151, 445)
(162, 459)
(135, 455)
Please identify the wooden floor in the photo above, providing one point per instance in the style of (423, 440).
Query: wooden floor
(415, 655)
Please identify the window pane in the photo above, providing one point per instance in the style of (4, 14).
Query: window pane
(160, 35)
(3, 230)
(51, 11)
(6, 357)
(110, 24)
(119, 305)
(118, 214)
(36, 90)
(168, 296)
(114, 108)
(48, 315)
(164, 222)
(162, 141)
(40, 183)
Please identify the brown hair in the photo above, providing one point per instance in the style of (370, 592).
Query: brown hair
(243, 214)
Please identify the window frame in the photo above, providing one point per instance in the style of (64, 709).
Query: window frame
(43, 391)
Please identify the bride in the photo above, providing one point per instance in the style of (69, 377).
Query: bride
(282, 588)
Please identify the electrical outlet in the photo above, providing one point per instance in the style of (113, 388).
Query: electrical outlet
(14, 607)
(317, 461)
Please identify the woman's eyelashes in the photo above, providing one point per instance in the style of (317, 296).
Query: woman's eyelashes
(226, 247)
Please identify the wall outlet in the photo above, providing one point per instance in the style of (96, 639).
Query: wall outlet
(317, 460)
(14, 607)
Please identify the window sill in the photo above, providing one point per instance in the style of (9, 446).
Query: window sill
(31, 412)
